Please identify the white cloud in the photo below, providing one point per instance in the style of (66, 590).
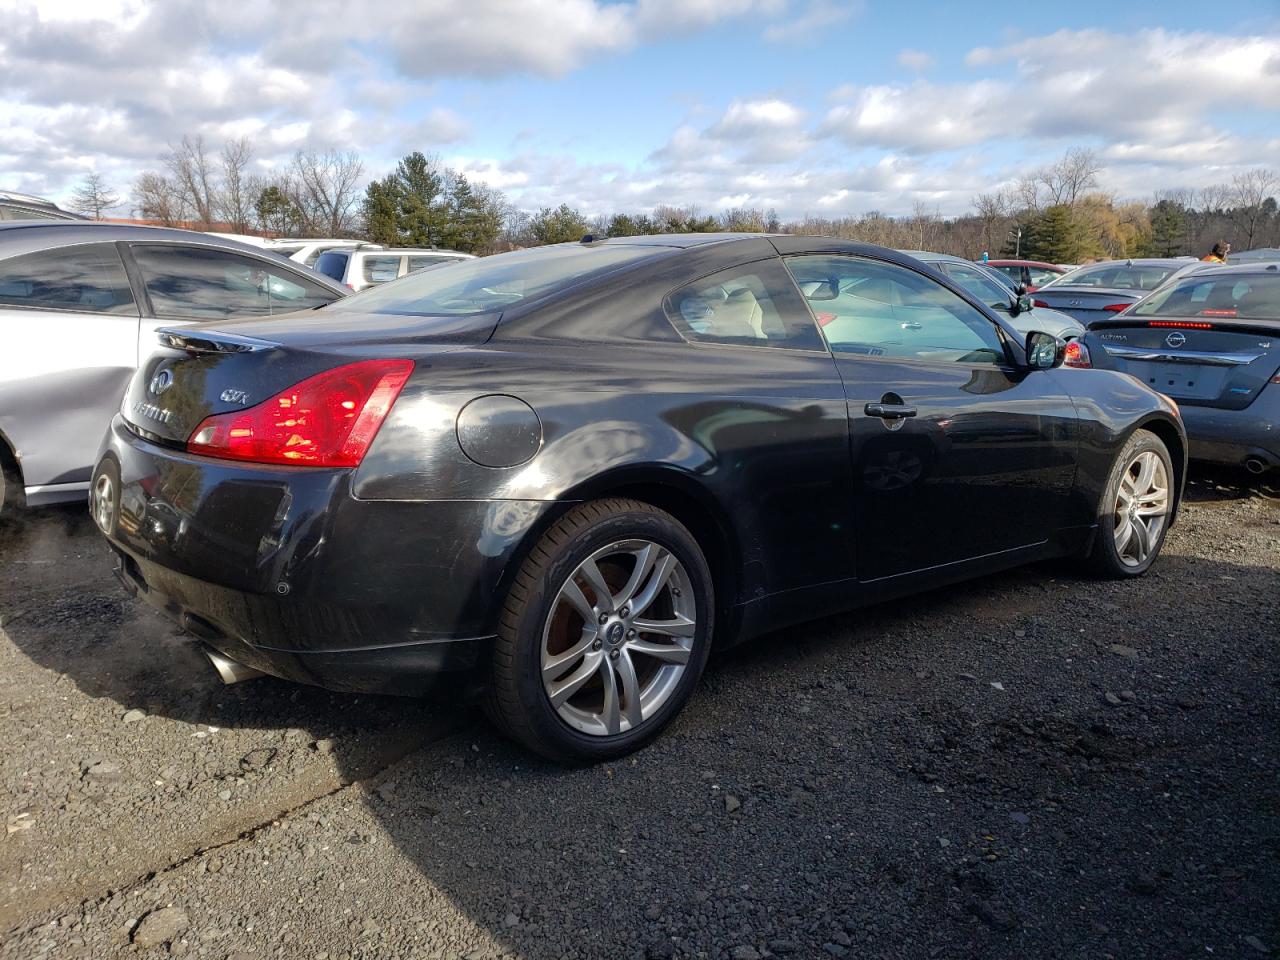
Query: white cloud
(818, 15)
(916, 60)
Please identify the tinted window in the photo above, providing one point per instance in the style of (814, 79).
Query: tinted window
(422, 263)
(754, 305)
(883, 310)
(487, 284)
(1040, 276)
(1119, 276)
(332, 264)
(199, 283)
(977, 283)
(381, 269)
(1232, 296)
(88, 277)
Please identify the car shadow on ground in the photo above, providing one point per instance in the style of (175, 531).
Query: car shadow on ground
(901, 781)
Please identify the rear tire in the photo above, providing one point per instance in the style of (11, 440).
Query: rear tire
(1133, 515)
(582, 673)
(11, 490)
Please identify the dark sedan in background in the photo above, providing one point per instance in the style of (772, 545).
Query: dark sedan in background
(1211, 341)
(557, 476)
(1100, 290)
(79, 306)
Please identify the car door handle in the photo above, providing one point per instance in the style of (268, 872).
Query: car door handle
(889, 411)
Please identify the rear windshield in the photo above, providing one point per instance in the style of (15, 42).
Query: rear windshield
(332, 264)
(1254, 297)
(494, 283)
(1118, 276)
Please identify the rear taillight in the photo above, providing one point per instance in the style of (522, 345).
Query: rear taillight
(1184, 324)
(1039, 303)
(1076, 354)
(1117, 307)
(328, 420)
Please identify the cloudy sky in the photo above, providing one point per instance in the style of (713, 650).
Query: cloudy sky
(826, 107)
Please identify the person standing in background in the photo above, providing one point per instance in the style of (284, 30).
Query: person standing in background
(1218, 254)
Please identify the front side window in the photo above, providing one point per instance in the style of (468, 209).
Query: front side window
(752, 305)
(977, 283)
(88, 277)
(201, 283)
(878, 309)
(381, 269)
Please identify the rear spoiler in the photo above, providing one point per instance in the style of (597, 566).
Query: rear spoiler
(192, 341)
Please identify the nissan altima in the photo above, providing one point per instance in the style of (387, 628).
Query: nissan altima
(558, 477)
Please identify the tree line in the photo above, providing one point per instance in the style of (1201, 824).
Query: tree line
(1055, 214)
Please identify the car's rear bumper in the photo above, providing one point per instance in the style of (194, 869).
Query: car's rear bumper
(1236, 436)
(284, 570)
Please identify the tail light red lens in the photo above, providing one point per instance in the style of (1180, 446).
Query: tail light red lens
(1184, 324)
(1076, 355)
(1117, 307)
(328, 420)
(1039, 303)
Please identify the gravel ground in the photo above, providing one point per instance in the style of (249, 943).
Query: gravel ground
(1031, 765)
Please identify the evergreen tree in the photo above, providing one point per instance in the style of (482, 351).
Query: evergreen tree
(561, 225)
(1055, 236)
(381, 211)
(1168, 230)
(276, 214)
(423, 214)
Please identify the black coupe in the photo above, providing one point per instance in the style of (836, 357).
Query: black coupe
(558, 477)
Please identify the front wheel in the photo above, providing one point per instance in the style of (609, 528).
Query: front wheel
(1137, 503)
(604, 633)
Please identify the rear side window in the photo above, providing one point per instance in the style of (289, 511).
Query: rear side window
(88, 277)
(332, 264)
(422, 263)
(381, 269)
(754, 305)
(200, 283)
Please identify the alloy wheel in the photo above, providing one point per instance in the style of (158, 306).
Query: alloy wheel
(1141, 509)
(103, 502)
(618, 637)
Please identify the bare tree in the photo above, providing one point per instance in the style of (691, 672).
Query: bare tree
(237, 195)
(1026, 193)
(923, 221)
(157, 197)
(189, 165)
(94, 196)
(324, 187)
(1250, 191)
(1068, 179)
(993, 212)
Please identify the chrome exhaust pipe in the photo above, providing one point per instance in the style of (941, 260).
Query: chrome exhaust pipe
(1256, 465)
(231, 671)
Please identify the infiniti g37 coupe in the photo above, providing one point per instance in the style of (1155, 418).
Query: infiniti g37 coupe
(557, 477)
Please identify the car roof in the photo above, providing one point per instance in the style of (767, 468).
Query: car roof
(31, 236)
(681, 240)
(930, 256)
(1008, 262)
(418, 251)
(1139, 262)
(1268, 268)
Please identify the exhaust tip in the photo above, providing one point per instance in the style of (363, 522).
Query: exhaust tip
(230, 671)
(1256, 465)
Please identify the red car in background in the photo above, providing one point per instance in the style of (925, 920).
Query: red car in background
(1030, 273)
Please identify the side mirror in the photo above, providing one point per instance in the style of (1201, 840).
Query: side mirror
(1020, 290)
(1044, 351)
(1021, 305)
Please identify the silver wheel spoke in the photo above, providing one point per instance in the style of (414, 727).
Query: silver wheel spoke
(644, 563)
(679, 627)
(1146, 472)
(590, 571)
(578, 600)
(610, 714)
(554, 666)
(631, 704)
(1142, 540)
(661, 572)
(666, 652)
(566, 688)
(1123, 534)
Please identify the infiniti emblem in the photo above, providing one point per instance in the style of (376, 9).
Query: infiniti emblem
(161, 382)
(1175, 339)
(615, 633)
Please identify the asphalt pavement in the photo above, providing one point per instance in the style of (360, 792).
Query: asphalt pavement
(1030, 765)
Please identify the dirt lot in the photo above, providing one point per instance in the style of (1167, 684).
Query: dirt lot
(1032, 765)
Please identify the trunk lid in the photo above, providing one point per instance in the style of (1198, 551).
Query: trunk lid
(1196, 361)
(207, 369)
(1087, 304)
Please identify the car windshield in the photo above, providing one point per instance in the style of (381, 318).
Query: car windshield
(1118, 276)
(1255, 297)
(490, 284)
